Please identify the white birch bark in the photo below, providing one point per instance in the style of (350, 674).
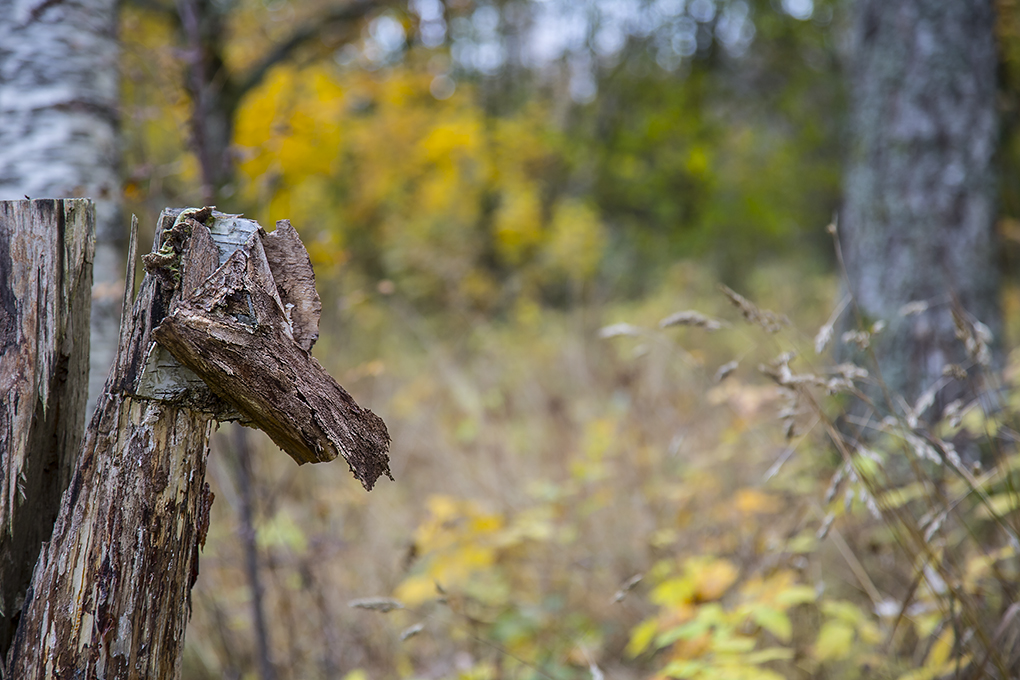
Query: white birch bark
(59, 133)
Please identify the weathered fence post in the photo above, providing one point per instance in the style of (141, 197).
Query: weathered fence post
(46, 251)
(220, 330)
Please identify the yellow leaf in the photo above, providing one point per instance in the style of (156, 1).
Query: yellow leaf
(755, 502)
(733, 644)
(804, 542)
(577, 239)
(672, 592)
(683, 669)
(769, 654)
(775, 622)
(795, 595)
(641, 636)
(899, 497)
(713, 579)
(834, 640)
(845, 611)
(415, 590)
(999, 505)
(941, 650)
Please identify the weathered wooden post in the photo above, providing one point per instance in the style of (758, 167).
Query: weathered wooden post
(220, 330)
(46, 251)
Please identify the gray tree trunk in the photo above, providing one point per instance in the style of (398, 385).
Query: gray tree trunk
(235, 311)
(59, 136)
(917, 222)
(46, 250)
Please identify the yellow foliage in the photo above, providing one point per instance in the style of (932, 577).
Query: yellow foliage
(577, 240)
(940, 661)
(703, 579)
(518, 223)
(457, 542)
(713, 579)
(418, 186)
(755, 502)
(835, 640)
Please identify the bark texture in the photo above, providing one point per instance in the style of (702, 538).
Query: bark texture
(236, 334)
(59, 133)
(917, 224)
(46, 251)
(110, 593)
(112, 587)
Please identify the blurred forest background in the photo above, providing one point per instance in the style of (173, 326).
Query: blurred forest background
(505, 201)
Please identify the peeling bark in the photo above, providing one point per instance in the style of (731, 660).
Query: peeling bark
(110, 593)
(46, 251)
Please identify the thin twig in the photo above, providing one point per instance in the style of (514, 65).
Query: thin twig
(243, 473)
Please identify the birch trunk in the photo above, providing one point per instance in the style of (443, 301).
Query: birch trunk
(918, 219)
(110, 593)
(46, 250)
(59, 133)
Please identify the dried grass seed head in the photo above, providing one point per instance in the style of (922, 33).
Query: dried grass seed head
(768, 320)
(691, 318)
(725, 370)
(621, 329)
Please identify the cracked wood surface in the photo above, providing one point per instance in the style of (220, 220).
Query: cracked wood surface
(46, 252)
(235, 332)
(110, 594)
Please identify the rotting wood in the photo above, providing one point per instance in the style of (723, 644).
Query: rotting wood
(110, 594)
(46, 252)
(235, 333)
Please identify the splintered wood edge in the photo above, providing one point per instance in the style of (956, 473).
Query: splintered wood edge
(235, 333)
(295, 281)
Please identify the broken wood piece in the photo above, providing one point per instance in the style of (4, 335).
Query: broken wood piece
(295, 282)
(235, 333)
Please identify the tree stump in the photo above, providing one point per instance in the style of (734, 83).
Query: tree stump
(220, 330)
(46, 251)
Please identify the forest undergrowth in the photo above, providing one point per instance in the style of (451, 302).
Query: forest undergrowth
(659, 488)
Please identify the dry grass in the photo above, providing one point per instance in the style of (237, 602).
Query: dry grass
(542, 468)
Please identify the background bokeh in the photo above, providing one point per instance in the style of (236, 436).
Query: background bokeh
(502, 200)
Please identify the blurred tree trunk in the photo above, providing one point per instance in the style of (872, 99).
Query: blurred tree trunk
(46, 250)
(918, 220)
(59, 134)
(214, 95)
